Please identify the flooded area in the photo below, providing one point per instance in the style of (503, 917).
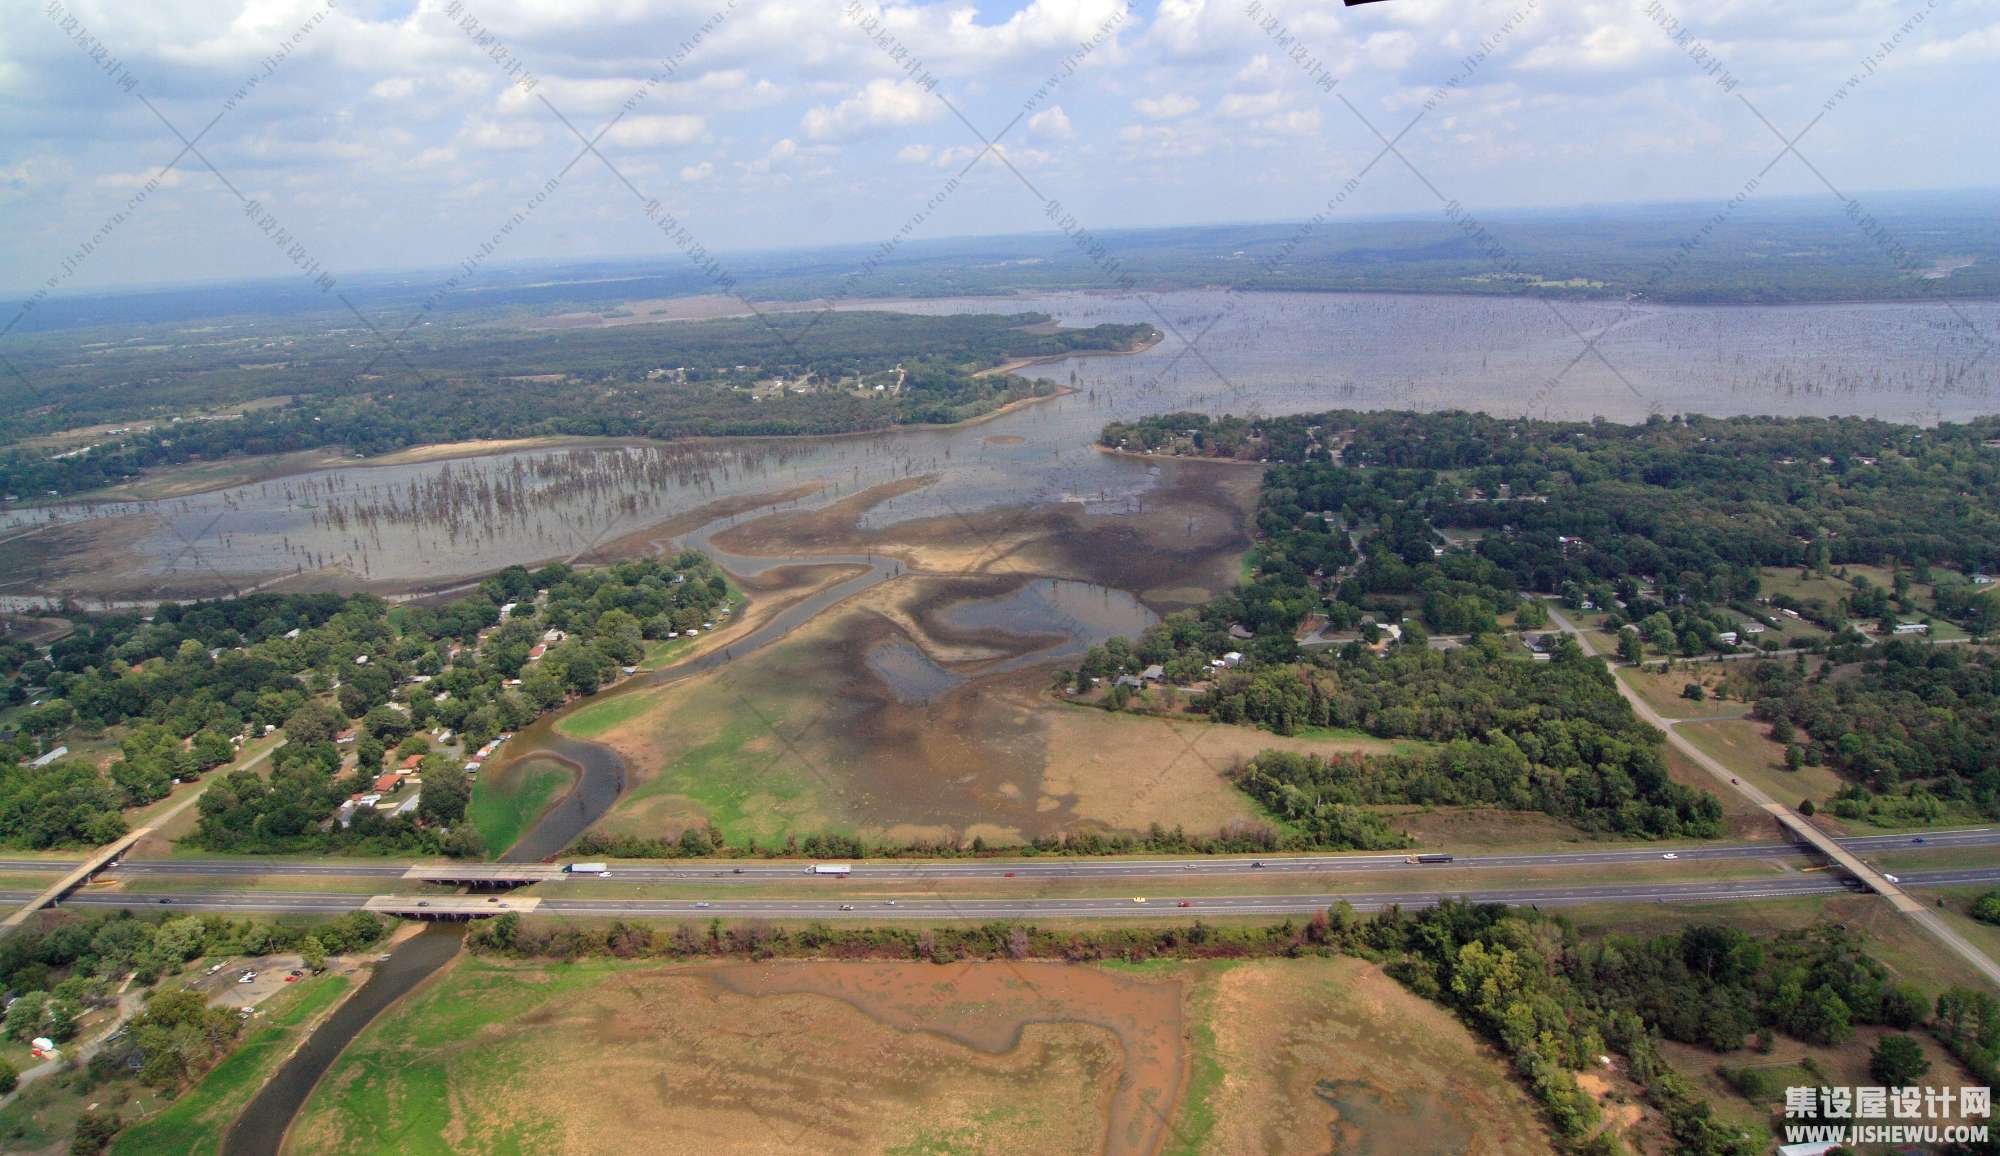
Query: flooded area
(425, 522)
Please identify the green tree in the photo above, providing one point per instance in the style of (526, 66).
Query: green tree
(1630, 648)
(94, 1131)
(1897, 1061)
(24, 1019)
(312, 953)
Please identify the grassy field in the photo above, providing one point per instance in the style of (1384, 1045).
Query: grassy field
(505, 803)
(1662, 692)
(1300, 1055)
(593, 719)
(195, 1122)
(1225, 1057)
(880, 1057)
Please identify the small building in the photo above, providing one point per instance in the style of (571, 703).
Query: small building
(413, 762)
(1131, 680)
(387, 782)
(1752, 628)
(348, 735)
(1789, 613)
(535, 654)
(1726, 636)
(1153, 673)
(507, 610)
(1982, 579)
(292, 633)
(1237, 631)
(1913, 628)
(1233, 658)
(50, 757)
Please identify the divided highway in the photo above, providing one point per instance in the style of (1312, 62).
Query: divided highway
(729, 870)
(935, 908)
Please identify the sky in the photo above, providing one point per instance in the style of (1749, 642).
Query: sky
(332, 138)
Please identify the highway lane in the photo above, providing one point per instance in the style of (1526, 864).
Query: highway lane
(735, 871)
(1157, 906)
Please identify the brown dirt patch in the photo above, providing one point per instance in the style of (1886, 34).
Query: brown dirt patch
(1319, 1055)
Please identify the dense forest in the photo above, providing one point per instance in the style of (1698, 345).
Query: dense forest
(1909, 730)
(1377, 530)
(190, 684)
(791, 373)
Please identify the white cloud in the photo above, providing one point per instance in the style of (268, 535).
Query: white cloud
(914, 154)
(881, 103)
(654, 131)
(700, 172)
(1052, 122)
(1167, 107)
(482, 133)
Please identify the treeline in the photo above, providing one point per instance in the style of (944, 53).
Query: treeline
(1237, 838)
(1548, 736)
(195, 681)
(1912, 729)
(1698, 503)
(1551, 999)
(684, 379)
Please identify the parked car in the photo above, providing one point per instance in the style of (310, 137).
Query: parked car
(1670, 855)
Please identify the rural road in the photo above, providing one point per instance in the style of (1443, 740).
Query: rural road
(833, 907)
(756, 871)
(1923, 916)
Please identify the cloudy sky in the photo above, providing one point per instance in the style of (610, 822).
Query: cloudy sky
(376, 134)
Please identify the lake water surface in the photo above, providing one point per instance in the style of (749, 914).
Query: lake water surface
(1265, 353)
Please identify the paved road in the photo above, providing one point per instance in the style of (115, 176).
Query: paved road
(726, 871)
(1876, 881)
(934, 907)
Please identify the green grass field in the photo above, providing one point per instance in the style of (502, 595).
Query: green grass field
(195, 1122)
(588, 722)
(401, 1060)
(505, 804)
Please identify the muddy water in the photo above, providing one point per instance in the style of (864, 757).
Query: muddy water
(601, 776)
(260, 1130)
(1084, 613)
(1275, 353)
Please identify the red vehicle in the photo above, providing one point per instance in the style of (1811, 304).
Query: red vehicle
(1009, 875)
(1185, 903)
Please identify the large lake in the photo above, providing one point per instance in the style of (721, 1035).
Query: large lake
(1253, 353)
